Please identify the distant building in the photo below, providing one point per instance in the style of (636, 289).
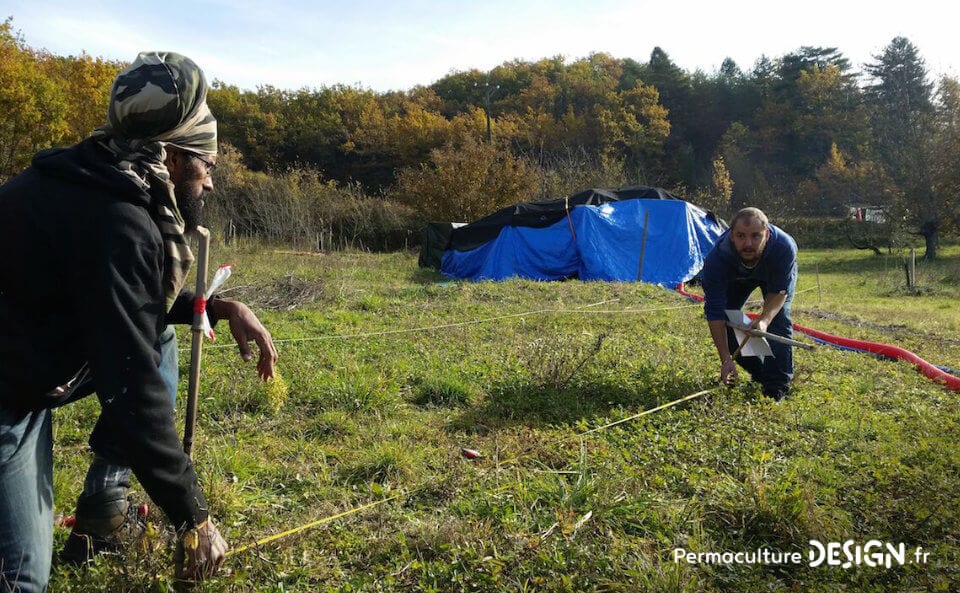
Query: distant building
(874, 214)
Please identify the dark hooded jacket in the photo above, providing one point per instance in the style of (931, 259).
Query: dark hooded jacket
(775, 272)
(80, 287)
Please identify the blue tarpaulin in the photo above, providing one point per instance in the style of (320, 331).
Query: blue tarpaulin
(602, 242)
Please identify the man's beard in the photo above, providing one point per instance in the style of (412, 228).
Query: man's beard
(191, 209)
(748, 257)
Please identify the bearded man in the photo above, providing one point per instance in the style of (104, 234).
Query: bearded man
(94, 267)
(752, 254)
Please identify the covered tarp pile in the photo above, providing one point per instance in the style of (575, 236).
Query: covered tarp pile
(593, 235)
(434, 240)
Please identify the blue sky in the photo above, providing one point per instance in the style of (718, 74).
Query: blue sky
(382, 45)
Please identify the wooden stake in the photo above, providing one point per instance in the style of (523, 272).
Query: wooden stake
(819, 290)
(769, 336)
(913, 268)
(196, 346)
(736, 352)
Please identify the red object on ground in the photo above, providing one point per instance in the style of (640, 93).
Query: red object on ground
(67, 521)
(143, 510)
(952, 382)
(691, 296)
(470, 453)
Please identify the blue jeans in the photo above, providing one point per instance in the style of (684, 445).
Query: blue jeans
(26, 487)
(774, 373)
(26, 500)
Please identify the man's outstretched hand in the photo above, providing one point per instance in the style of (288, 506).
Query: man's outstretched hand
(246, 328)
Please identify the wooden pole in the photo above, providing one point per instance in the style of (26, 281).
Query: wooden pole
(913, 267)
(736, 353)
(819, 289)
(643, 244)
(762, 334)
(196, 346)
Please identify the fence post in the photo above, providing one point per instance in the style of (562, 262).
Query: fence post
(819, 289)
(913, 267)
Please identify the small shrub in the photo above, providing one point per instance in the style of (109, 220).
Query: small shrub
(300, 208)
(275, 393)
(442, 391)
(384, 463)
(553, 359)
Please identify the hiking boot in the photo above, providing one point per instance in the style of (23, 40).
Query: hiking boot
(776, 393)
(101, 520)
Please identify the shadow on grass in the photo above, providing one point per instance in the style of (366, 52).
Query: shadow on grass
(427, 276)
(525, 403)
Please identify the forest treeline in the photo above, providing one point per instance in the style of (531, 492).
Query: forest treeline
(802, 135)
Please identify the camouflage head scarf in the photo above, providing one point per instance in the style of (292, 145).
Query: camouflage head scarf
(160, 99)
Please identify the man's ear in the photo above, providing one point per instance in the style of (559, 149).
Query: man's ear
(174, 161)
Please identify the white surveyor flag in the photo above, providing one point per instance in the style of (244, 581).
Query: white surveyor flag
(200, 301)
(757, 346)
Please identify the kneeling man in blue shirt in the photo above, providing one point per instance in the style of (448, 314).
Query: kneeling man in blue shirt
(752, 253)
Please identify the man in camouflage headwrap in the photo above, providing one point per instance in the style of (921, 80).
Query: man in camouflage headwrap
(95, 259)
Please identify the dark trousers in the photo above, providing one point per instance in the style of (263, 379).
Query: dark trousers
(774, 373)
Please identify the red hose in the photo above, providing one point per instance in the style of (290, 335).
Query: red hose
(951, 381)
(887, 350)
(689, 295)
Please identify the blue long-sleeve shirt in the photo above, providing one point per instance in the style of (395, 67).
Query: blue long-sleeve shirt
(775, 272)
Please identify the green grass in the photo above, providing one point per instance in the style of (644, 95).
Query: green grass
(391, 370)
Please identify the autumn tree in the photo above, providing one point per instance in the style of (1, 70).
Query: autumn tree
(721, 186)
(84, 83)
(246, 121)
(841, 182)
(795, 134)
(33, 106)
(466, 180)
(636, 127)
(675, 93)
(830, 111)
(813, 102)
(737, 147)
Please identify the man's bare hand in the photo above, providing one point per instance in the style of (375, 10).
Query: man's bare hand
(200, 552)
(759, 324)
(246, 328)
(728, 372)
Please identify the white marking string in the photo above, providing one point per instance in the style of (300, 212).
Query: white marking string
(473, 322)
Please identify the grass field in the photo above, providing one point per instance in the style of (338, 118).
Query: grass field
(390, 371)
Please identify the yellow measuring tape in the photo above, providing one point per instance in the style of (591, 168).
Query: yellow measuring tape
(624, 420)
(277, 536)
(289, 532)
(650, 411)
